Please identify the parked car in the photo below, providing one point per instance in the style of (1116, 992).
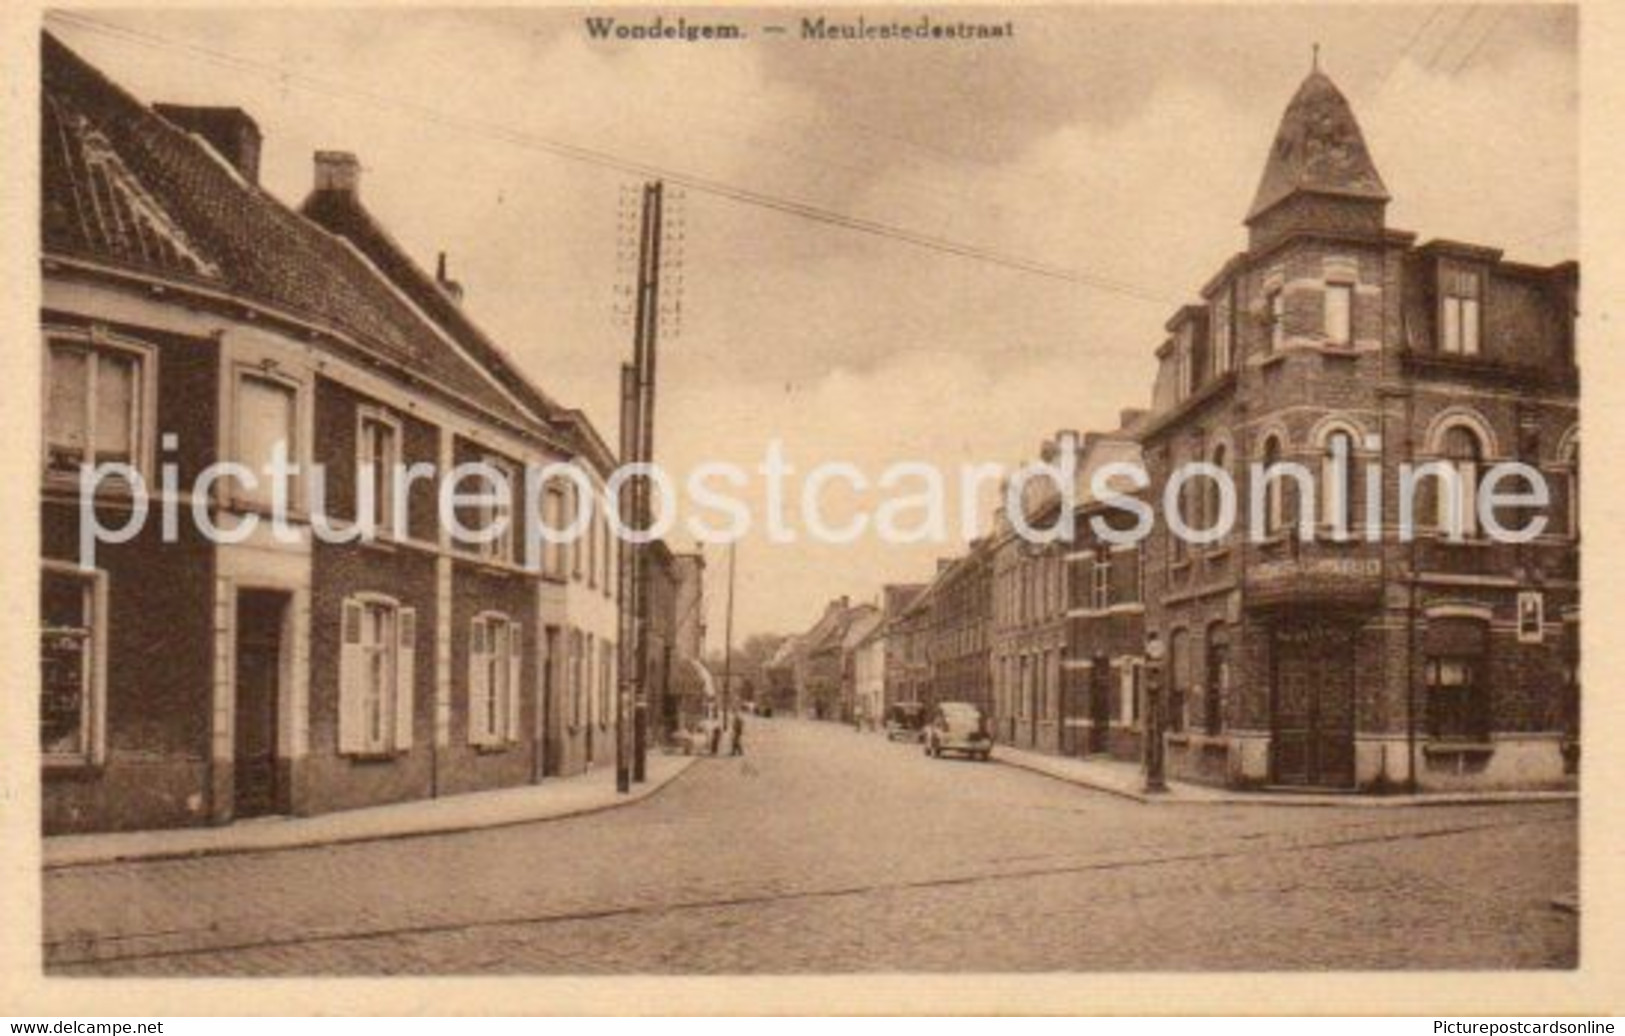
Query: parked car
(904, 721)
(957, 726)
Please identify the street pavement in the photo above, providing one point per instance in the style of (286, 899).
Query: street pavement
(826, 850)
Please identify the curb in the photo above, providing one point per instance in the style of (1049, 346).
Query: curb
(452, 826)
(1292, 800)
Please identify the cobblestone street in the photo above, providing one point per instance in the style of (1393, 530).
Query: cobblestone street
(827, 850)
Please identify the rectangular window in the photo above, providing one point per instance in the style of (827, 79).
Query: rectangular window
(1457, 706)
(577, 555)
(93, 406)
(495, 656)
(378, 458)
(554, 561)
(578, 681)
(1100, 584)
(1223, 340)
(1340, 314)
(1276, 306)
(1459, 320)
(497, 511)
(377, 654)
(592, 551)
(71, 670)
(606, 679)
(267, 427)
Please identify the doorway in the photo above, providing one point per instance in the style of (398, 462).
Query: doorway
(1100, 705)
(1312, 704)
(256, 789)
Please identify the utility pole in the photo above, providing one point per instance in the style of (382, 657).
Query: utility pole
(637, 446)
(728, 635)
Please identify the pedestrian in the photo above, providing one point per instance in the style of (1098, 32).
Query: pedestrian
(737, 742)
(716, 734)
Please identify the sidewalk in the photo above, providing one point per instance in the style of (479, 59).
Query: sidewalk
(553, 799)
(1124, 779)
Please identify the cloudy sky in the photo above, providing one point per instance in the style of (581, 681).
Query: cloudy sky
(1121, 143)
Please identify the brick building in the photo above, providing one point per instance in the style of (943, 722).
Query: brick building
(1359, 660)
(960, 629)
(1103, 671)
(188, 318)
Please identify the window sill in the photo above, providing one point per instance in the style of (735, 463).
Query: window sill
(71, 766)
(1458, 748)
(1274, 359)
(382, 755)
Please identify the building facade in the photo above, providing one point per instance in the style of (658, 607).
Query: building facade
(1326, 649)
(960, 601)
(194, 676)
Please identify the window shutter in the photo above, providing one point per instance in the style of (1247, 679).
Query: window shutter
(479, 685)
(515, 666)
(405, 677)
(352, 666)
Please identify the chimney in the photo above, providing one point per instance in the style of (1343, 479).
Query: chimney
(338, 171)
(447, 285)
(231, 132)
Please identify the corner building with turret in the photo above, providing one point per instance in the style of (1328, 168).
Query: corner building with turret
(1298, 657)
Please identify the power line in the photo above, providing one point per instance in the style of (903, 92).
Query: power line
(602, 159)
(1483, 38)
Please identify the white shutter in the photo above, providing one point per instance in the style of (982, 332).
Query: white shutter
(405, 676)
(479, 685)
(515, 667)
(352, 669)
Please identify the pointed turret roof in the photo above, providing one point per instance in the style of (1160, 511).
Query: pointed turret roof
(1319, 149)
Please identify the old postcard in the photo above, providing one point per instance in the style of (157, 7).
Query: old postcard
(845, 498)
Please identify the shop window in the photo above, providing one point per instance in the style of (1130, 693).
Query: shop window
(1458, 707)
(95, 410)
(1100, 582)
(1218, 680)
(495, 656)
(72, 682)
(376, 671)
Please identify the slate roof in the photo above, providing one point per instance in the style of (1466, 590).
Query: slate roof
(1319, 148)
(123, 187)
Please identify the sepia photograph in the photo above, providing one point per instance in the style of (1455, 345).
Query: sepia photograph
(628, 491)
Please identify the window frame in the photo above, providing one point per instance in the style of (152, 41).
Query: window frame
(270, 374)
(95, 341)
(93, 677)
(1461, 296)
(1275, 315)
(1345, 291)
(499, 550)
(385, 517)
(1474, 706)
(495, 679)
(395, 736)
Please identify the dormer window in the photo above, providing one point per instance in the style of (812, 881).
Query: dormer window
(1339, 327)
(1459, 316)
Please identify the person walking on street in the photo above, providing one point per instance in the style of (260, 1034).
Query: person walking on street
(737, 729)
(716, 733)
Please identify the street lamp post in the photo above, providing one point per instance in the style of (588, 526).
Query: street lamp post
(1156, 782)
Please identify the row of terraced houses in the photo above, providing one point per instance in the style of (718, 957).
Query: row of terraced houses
(1372, 662)
(190, 317)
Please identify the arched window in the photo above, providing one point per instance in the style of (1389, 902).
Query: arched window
(1337, 480)
(1274, 488)
(1211, 500)
(1458, 497)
